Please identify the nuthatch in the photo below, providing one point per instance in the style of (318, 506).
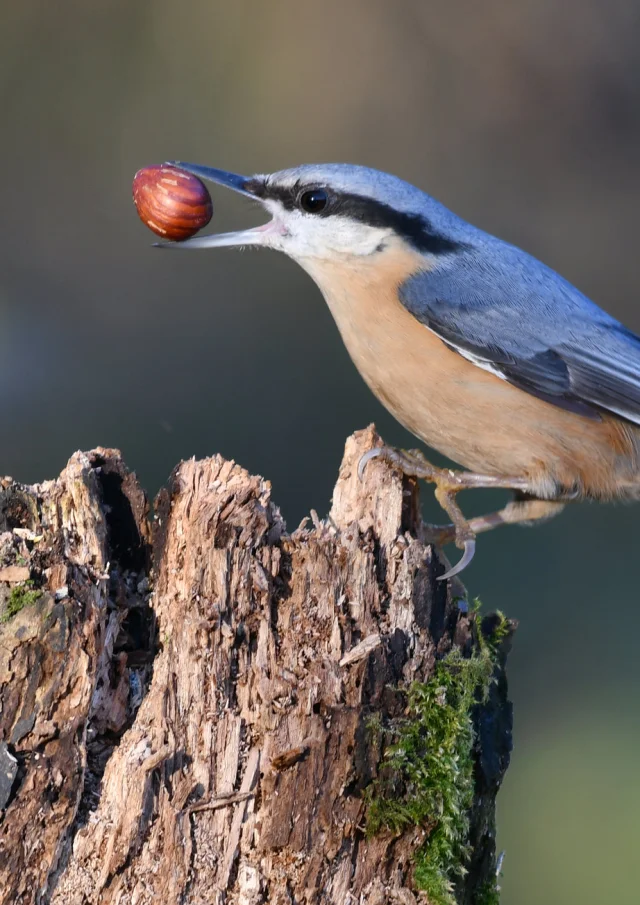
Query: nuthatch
(477, 348)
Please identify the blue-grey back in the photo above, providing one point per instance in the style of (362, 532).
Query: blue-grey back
(511, 314)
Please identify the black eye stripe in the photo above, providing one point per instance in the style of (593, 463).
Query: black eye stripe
(413, 228)
(262, 188)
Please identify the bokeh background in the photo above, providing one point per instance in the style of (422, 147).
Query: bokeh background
(521, 115)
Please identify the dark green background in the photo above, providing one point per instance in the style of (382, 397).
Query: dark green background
(522, 116)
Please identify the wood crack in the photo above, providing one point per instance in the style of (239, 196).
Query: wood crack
(206, 732)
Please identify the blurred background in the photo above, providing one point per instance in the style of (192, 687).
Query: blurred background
(522, 116)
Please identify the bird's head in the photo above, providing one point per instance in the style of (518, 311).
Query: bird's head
(336, 211)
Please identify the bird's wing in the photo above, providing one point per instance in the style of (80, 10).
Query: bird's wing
(511, 315)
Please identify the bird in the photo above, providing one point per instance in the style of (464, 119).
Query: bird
(477, 348)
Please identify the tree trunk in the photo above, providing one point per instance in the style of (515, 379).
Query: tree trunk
(246, 716)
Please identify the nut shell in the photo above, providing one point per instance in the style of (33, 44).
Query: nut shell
(172, 203)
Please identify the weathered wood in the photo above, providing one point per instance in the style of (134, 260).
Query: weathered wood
(57, 653)
(238, 773)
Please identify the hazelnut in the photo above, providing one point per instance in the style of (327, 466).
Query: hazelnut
(172, 203)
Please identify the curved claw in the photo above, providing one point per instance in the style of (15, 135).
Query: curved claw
(467, 556)
(366, 458)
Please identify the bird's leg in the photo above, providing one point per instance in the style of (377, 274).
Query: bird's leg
(411, 462)
(414, 463)
(523, 512)
(448, 484)
(464, 535)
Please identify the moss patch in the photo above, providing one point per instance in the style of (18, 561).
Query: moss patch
(426, 776)
(489, 894)
(495, 629)
(21, 596)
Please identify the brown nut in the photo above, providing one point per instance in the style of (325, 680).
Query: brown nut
(172, 203)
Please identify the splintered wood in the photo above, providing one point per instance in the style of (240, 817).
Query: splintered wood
(57, 658)
(235, 774)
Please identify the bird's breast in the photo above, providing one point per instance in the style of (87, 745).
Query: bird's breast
(468, 414)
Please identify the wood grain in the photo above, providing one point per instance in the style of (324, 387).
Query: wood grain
(235, 774)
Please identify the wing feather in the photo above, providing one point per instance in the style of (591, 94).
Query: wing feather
(508, 313)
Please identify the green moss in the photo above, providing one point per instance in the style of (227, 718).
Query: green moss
(489, 894)
(427, 774)
(374, 727)
(500, 630)
(21, 596)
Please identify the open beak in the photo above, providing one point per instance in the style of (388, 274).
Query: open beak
(255, 236)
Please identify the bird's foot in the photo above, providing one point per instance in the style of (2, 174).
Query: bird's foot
(414, 463)
(448, 485)
(411, 462)
(464, 536)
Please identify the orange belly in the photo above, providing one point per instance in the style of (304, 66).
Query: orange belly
(466, 413)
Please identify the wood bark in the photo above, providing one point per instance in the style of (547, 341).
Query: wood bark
(188, 724)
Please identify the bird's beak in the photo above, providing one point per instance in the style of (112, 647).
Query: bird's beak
(255, 236)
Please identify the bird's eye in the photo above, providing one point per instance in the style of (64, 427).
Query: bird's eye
(314, 201)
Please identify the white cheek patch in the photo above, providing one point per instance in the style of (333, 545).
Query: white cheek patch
(302, 235)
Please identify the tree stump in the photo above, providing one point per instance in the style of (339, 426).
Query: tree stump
(219, 711)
